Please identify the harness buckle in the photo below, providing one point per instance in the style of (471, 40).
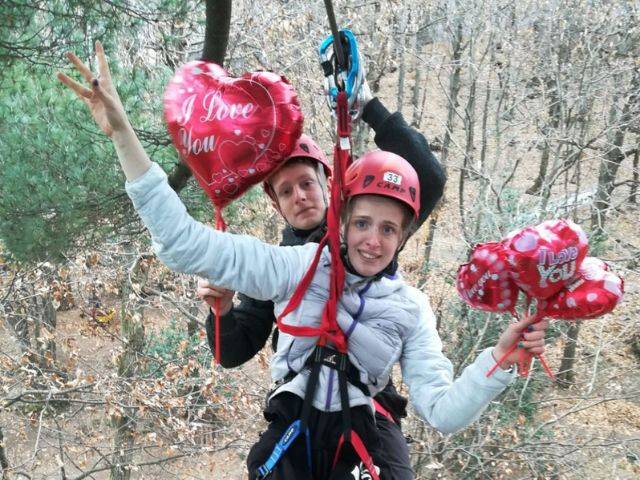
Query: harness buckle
(331, 358)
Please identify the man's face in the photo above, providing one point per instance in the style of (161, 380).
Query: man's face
(300, 195)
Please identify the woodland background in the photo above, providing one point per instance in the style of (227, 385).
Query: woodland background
(532, 107)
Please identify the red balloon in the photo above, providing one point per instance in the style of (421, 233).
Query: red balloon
(543, 259)
(594, 292)
(484, 282)
(231, 132)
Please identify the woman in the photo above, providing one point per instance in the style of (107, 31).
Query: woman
(384, 319)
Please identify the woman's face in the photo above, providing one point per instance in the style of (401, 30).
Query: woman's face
(374, 233)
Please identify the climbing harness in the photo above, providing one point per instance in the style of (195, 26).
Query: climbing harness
(331, 346)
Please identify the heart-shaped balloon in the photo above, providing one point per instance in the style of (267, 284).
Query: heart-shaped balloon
(231, 132)
(544, 258)
(484, 282)
(594, 292)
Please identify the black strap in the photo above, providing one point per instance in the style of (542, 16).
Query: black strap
(344, 398)
(312, 383)
(353, 374)
(327, 68)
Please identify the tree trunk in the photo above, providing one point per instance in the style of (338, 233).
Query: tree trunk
(192, 325)
(428, 246)
(216, 34)
(123, 419)
(454, 89)
(567, 374)
(44, 328)
(554, 116)
(401, 54)
(470, 114)
(417, 86)
(485, 119)
(542, 170)
(469, 126)
(614, 156)
(4, 462)
(123, 443)
(216, 38)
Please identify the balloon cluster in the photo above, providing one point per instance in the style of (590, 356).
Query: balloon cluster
(549, 264)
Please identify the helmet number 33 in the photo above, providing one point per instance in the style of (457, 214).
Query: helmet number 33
(392, 178)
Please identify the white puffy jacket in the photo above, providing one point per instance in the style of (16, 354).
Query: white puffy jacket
(385, 320)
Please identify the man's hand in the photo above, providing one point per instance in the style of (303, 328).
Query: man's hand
(209, 293)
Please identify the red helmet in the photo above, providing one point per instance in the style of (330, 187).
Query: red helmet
(305, 147)
(384, 173)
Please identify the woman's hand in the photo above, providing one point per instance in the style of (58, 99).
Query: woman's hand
(526, 334)
(108, 112)
(209, 293)
(101, 98)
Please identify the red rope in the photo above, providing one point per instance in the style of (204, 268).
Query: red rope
(329, 330)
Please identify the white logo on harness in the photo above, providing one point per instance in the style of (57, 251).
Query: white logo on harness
(392, 178)
(360, 472)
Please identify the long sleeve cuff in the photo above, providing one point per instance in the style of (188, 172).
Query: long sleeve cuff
(375, 113)
(500, 377)
(141, 188)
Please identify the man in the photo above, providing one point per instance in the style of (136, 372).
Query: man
(298, 190)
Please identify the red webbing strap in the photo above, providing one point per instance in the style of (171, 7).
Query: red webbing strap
(329, 330)
(222, 226)
(296, 298)
(342, 157)
(362, 452)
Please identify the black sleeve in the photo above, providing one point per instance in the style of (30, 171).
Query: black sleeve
(244, 331)
(394, 134)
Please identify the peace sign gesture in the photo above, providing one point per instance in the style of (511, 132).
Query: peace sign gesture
(102, 98)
